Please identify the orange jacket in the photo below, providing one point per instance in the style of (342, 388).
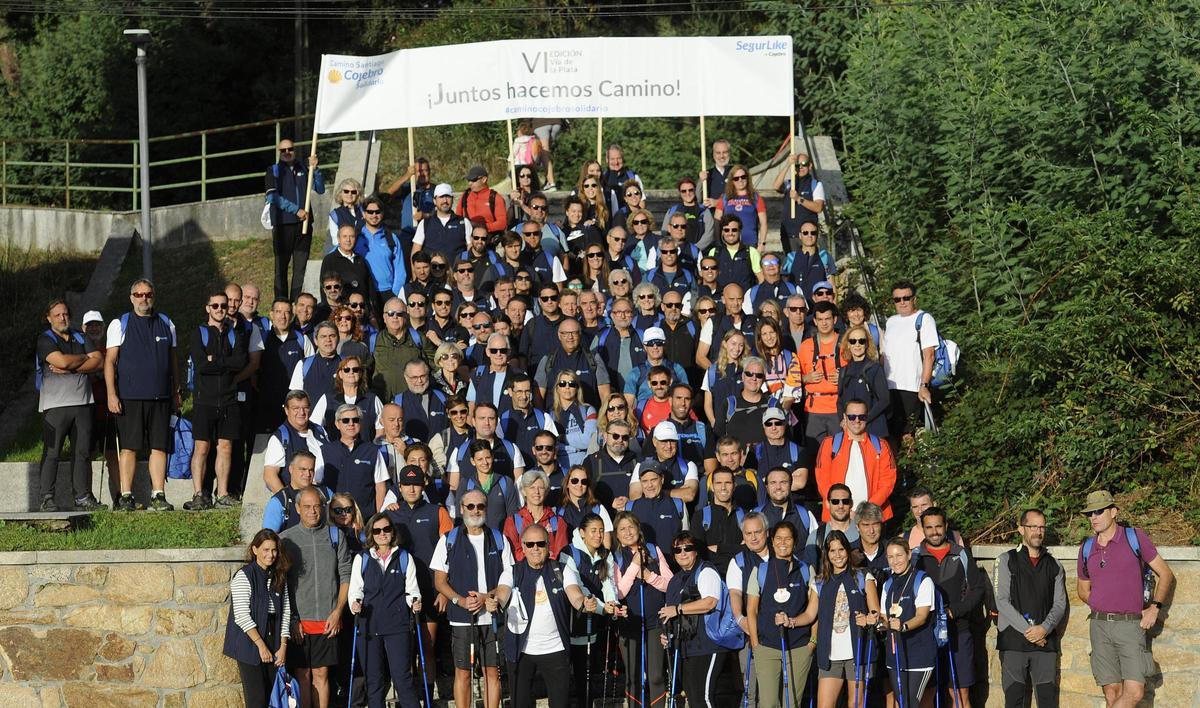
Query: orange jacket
(879, 465)
(819, 397)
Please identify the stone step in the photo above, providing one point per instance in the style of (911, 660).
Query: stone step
(48, 520)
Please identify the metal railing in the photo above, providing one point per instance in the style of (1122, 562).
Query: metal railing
(72, 168)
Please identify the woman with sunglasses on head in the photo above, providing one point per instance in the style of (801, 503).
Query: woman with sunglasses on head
(350, 332)
(450, 373)
(576, 420)
(588, 556)
(579, 502)
(847, 609)
(643, 236)
(695, 591)
(350, 386)
(741, 199)
(384, 593)
(347, 210)
(591, 193)
(781, 606)
(446, 442)
(724, 378)
(527, 185)
(642, 577)
(862, 378)
(260, 616)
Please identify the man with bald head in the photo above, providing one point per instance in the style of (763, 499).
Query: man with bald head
(570, 354)
(489, 381)
(396, 345)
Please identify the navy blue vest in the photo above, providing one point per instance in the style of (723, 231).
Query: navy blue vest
(589, 578)
(522, 429)
(540, 337)
(683, 588)
(294, 442)
(525, 584)
(352, 472)
(773, 574)
(485, 386)
(278, 362)
(366, 404)
(144, 364)
(318, 375)
(502, 458)
(919, 649)
(777, 291)
(790, 513)
(608, 348)
(807, 270)
(385, 604)
(418, 533)
(502, 499)
(735, 268)
(680, 281)
(447, 240)
(420, 424)
(610, 477)
(463, 574)
(768, 456)
(237, 644)
(643, 599)
(826, 604)
(723, 323)
(661, 517)
(582, 365)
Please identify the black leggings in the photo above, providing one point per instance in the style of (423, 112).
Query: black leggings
(57, 425)
(257, 680)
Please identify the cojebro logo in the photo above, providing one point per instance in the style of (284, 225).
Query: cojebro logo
(356, 74)
(334, 76)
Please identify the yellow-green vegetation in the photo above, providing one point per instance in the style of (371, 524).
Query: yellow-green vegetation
(110, 530)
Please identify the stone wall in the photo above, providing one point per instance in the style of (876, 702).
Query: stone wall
(1176, 644)
(116, 629)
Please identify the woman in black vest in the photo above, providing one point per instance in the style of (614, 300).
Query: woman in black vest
(589, 558)
(781, 608)
(847, 605)
(260, 617)
(693, 592)
(384, 595)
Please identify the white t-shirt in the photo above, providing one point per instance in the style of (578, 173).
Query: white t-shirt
(543, 633)
(276, 456)
(733, 575)
(115, 335)
(438, 562)
(841, 645)
(708, 583)
(706, 333)
(902, 359)
(924, 598)
(856, 472)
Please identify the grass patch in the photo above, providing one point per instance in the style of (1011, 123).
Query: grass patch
(110, 530)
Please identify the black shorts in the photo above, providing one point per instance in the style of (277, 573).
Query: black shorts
(461, 639)
(316, 651)
(907, 412)
(144, 425)
(210, 423)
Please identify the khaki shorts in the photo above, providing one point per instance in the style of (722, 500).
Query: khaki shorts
(1119, 652)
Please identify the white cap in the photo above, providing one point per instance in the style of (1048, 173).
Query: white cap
(443, 190)
(654, 333)
(774, 414)
(92, 316)
(666, 431)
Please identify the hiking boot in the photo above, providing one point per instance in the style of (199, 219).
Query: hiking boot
(124, 503)
(227, 502)
(158, 502)
(199, 502)
(48, 504)
(87, 503)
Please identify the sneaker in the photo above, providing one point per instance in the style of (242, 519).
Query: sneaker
(226, 502)
(48, 504)
(87, 503)
(124, 503)
(158, 502)
(550, 187)
(199, 502)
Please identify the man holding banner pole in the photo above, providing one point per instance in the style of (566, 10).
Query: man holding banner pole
(713, 179)
(286, 183)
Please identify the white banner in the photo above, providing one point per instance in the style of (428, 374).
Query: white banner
(611, 77)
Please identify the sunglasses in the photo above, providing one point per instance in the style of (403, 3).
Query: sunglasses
(1096, 512)
(481, 325)
(442, 303)
(399, 313)
(351, 191)
(791, 308)
(688, 548)
(753, 375)
(581, 480)
(568, 384)
(595, 255)
(678, 226)
(620, 282)
(523, 277)
(475, 507)
(640, 222)
(589, 185)
(346, 318)
(617, 239)
(355, 305)
(902, 298)
(466, 314)
(339, 510)
(687, 190)
(217, 306)
(287, 149)
(856, 416)
(465, 270)
(706, 310)
(646, 296)
(372, 212)
(543, 448)
(822, 291)
(351, 369)
(349, 421)
(731, 230)
(773, 424)
(535, 544)
(380, 530)
(673, 305)
(537, 207)
(548, 298)
(437, 266)
(497, 350)
(462, 411)
(618, 407)
(808, 233)
(669, 251)
(416, 303)
(333, 287)
(656, 343)
(770, 262)
(844, 501)
(141, 296)
(633, 194)
(617, 437)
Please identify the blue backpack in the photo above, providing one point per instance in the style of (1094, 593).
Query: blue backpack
(37, 363)
(519, 521)
(720, 625)
(945, 357)
(839, 437)
(706, 516)
(366, 558)
(179, 460)
(191, 366)
(452, 538)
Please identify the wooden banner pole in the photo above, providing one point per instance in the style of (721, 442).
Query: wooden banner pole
(703, 161)
(792, 148)
(512, 158)
(600, 141)
(412, 181)
(312, 150)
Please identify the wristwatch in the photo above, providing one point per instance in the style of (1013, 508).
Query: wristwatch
(1156, 603)
(454, 600)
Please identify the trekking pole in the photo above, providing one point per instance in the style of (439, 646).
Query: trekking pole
(421, 658)
(953, 673)
(673, 641)
(866, 684)
(496, 636)
(746, 678)
(353, 656)
(784, 656)
(587, 672)
(642, 612)
(610, 669)
(857, 664)
(479, 689)
(898, 650)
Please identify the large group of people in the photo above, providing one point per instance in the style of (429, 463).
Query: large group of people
(626, 455)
